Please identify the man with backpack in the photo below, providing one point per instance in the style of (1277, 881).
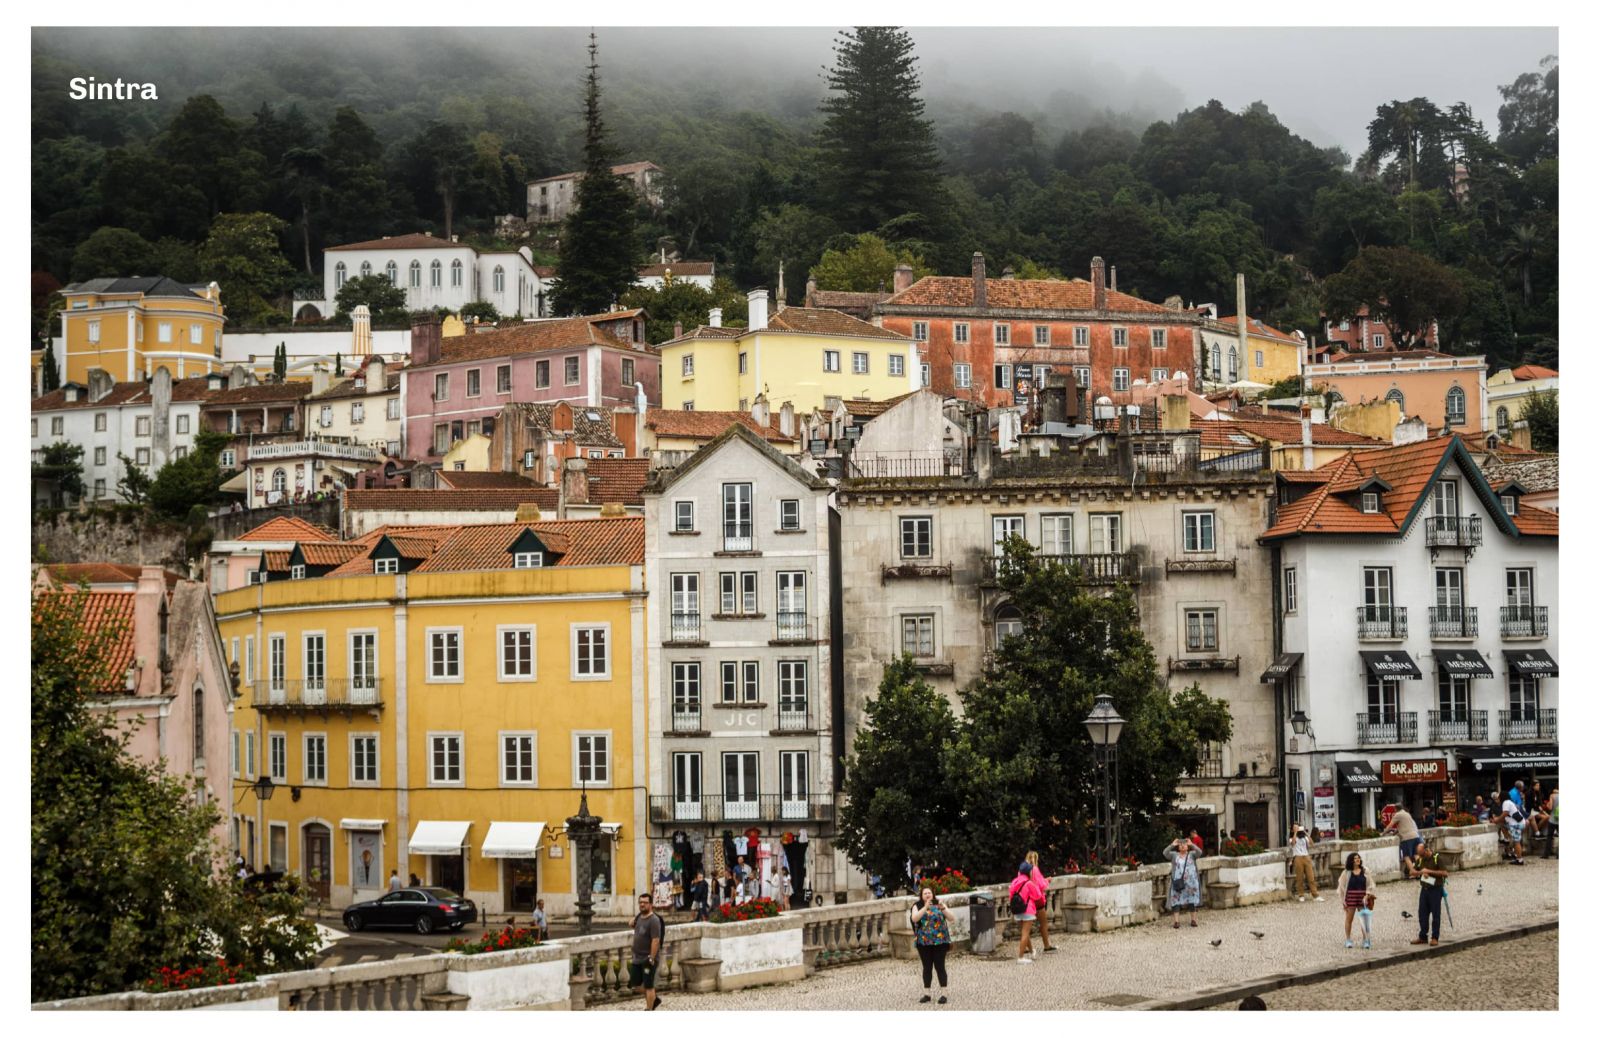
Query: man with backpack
(649, 933)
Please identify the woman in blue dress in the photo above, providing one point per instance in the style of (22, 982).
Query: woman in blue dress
(1184, 890)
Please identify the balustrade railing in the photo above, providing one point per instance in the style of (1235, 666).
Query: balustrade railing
(1524, 621)
(685, 627)
(328, 693)
(793, 627)
(1452, 726)
(1453, 621)
(1380, 623)
(1454, 531)
(1527, 724)
(765, 807)
(1376, 729)
(686, 717)
(851, 933)
(1096, 568)
(603, 958)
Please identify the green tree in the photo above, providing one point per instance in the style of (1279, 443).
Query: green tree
(61, 463)
(866, 265)
(113, 252)
(480, 311)
(384, 300)
(1529, 118)
(878, 160)
(50, 371)
(358, 202)
(1350, 215)
(241, 253)
(599, 248)
(1542, 412)
(280, 363)
(1520, 253)
(134, 486)
(1404, 289)
(191, 480)
(791, 236)
(681, 302)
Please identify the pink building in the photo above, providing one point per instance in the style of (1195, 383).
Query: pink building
(456, 387)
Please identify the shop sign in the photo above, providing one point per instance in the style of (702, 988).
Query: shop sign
(1403, 772)
(1323, 811)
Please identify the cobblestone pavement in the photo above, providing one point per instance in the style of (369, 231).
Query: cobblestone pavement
(1455, 974)
(1134, 964)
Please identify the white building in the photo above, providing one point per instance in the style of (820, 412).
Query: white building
(1417, 633)
(435, 272)
(550, 199)
(363, 409)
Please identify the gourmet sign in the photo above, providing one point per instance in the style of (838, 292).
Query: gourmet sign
(1400, 772)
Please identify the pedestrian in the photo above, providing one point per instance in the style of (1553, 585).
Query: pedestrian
(1430, 900)
(1402, 823)
(1511, 820)
(394, 880)
(1183, 890)
(932, 928)
(648, 930)
(1025, 904)
(1553, 827)
(415, 882)
(699, 898)
(1305, 877)
(1194, 838)
(1353, 886)
(1480, 810)
(785, 888)
(1042, 882)
(1429, 818)
(1517, 797)
(541, 922)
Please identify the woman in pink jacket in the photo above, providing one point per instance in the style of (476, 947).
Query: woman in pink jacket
(1042, 881)
(1023, 888)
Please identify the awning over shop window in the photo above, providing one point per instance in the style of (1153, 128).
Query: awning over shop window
(362, 824)
(513, 839)
(1462, 663)
(1391, 663)
(439, 837)
(1281, 667)
(1521, 757)
(1531, 663)
(1358, 775)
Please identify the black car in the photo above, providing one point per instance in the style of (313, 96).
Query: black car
(424, 909)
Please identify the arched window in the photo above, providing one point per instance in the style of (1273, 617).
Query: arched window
(1233, 363)
(1502, 421)
(199, 724)
(338, 275)
(392, 272)
(280, 480)
(416, 273)
(499, 280)
(1397, 396)
(1007, 622)
(455, 274)
(435, 275)
(1455, 406)
(366, 269)
(1216, 362)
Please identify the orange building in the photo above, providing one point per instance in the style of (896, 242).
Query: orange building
(1445, 391)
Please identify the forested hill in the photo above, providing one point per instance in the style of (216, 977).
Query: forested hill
(343, 135)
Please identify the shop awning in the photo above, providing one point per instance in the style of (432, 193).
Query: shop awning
(1462, 663)
(1521, 757)
(239, 484)
(1531, 663)
(363, 824)
(1281, 667)
(1390, 663)
(513, 839)
(439, 837)
(1359, 775)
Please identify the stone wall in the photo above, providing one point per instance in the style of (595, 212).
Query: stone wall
(109, 535)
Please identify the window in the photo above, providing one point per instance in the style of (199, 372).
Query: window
(736, 518)
(297, 573)
(789, 514)
(738, 593)
(1158, 374)
(1006, 526)
(792, 692)
(916, 635)
(358, 413)
(1519, 592)
(1291, 591)
(94, 331)
(1233, 363)
(591, 659)
(141, 425)
(415, 274)
(382, 566)
(366, 270)
(858, 363)
(1158, 338)
(441, 385)
(250, 657)
(927, 374)
(314, 751)
(683, 516)
(518, 762)
(444, 759)
(897, 365)
(502, 379)
(499, 280)
(1507, 502)
(1260, 360)
(571, 370)
(517, 656)
(1502, 421)
(313, 659)
(363, 665)
(1199, 531)
(1446, 499)
(688, 365)
(339, 275)
(99, 455)
(527, 560)
(1041, 335)
(277, 653)
(1200, 630)
(741, 682)
(963, 376)
(919, 331)
(444, 654)
(1119, 379)
(916, 537)
(1455, 406)
(1055, 534)
(325, 416)
(688, 405)
(391, 270)
(1383, 700)
(1002, 376)
(227, 459)
(740, 787)
(1377, 342)
(1105, 533)
(686, 696)
(592, 758)
(233, 755)
(1369, 502)
(1377, 595)
(363, 760)
(473, 382)
(99, 488)
(962, 332)
(1082, 376)
(791, 604)
(249, 754)
(435, 274)
(541, 374)
(455, 273)
(686, 785)
(278, 757)
(830, 360)
(1119, 337)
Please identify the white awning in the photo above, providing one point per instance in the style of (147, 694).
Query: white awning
(239, 484)
(439, 837)
(366, 824)
(513, 839)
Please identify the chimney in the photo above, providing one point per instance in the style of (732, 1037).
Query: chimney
(424, 338)
(239, 377)
(1097, 278)
(361, 331)
(100, 383)
(811, 291)
(528, 512)
(1008, 274)
(902, 278)
(760, 411)
(1244, 320)
(376, 375)
(1308, 457)
(319, 379)
(148, 596)
(783, 299)
(980, 285)
(982, 447)
(1113, 279)
(716, 317)
(1175, 412)
(677, 329)
(786, 418)
(574, 484)
(758, 309)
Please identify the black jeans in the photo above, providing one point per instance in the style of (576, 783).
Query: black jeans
(932, 956)
(1430, 905)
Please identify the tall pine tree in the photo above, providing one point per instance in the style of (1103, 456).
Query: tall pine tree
(879, 161)
(50, 375)
(599, 247)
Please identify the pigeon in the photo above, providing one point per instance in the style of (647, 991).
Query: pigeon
(1480, 889)
(1217, 943)
(1404, 914)
(1257, 934)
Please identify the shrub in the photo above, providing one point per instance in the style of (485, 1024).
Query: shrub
(951, 881)
(757, 908)
(210, 975)
(1359, 832)
(1239, 848)
(495, 940)
(1460, 819)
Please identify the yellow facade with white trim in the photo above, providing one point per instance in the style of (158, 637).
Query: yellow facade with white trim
(131, 335)
(788, 367)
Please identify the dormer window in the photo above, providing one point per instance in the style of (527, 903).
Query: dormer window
(1371, 503)
(527, 560)
(297, 573)
(381, 566)
(1509, 503)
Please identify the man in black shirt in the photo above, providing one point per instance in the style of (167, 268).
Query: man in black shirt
(646, 952)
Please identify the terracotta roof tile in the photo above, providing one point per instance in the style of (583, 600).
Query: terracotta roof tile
(1011, 294)
(581, 542)
(531, 337)
(1322, 434)
(1537, 473)
(121, 393)
(872, 408)
(401, 241)
(109, 613)
(1537, 522)
(818, 321)
(618, 480)
(1529, 372)
(707, 425)
(266, 392)
(288, 528)
(348, 389)
(453, 480)
(71, 573)
(329, 554)
(275, 561)
(492, 499)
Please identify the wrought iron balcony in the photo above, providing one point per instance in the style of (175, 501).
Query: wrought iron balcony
(686, 717)
(1516, 725)
(1453, 726)
(298, 694)
(767, 807)
(1381, 623)
(793, 629)
(794, 715)
(1453, 621)
(737, 538)
(1377, 729)
(1524, 621)
(1454, 531)
(685, 629)
(1099, 568)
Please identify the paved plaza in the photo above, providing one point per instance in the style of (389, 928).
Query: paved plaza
(1130, 966)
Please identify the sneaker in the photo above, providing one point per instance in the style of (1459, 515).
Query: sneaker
(943, 1000)
(1349, 943)
(1419, 940)
(1302, 897)
(1052, 948)
(1024, 962)
(1319, 897)
(1367, 943)
(925, 998)
(1434, 943)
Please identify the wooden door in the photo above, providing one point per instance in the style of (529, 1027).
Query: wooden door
(317, 865)
(1251, 821)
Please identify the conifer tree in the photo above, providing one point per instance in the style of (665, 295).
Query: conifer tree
(50, 377)
(599, 250)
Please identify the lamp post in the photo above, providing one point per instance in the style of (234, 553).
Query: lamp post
(1105, 727)
(583, 829)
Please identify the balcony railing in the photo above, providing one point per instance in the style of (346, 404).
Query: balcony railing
(794, 715)
(737, 539)
(685, 627)
(686, 717)
(1453, 726)
(767, 807)
(1454, 531)
(1375, 729)
(328, 694)
(1380, 623)
(1453, 621)
(793, 628)
(1524, 621)
(316, 448)
(1100, 568)
(1527, 724)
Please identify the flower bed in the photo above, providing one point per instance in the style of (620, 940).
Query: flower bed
(495, 940)
(951, 881)
(212, 974)
(1359, 832)
(757, 908)
(1240, 848)
(1459, 820)
(1095, 867)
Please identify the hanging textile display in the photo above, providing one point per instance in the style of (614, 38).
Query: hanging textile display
(661, 874)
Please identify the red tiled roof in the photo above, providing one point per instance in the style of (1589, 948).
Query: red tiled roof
(873, 408)
(121, 393)
(348, 389)
(266, 392)
(707, 425)
(533, 337)
(1009, 294)
(1537, 522)
(329, 554)
(454, 480)
(275, 561)
(1529, 372)
(1322, 434)
(288, 528)
(490, 499)
(1256, 327)
(108, 613)
(617, 480)
(401, 241)
(1303, 475)
(581, 542)
(72, 573)
(679, 270)
(817, 321)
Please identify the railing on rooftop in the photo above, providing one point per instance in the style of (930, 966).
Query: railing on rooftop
(904, 465)
(323, 448)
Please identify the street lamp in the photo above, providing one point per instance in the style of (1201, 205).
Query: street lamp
(583, 829)
(1300, 722)
(1105, 727)
(263, 787)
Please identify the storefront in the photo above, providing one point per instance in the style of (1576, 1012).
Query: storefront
(515, 845)
(1358, 781)
(1490, 773)
(444, 845)
(1417, 782)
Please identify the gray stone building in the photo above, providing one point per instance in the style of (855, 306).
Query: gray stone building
(738, 555)
(919, 577)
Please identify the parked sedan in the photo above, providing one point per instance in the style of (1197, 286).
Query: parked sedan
(424, 909)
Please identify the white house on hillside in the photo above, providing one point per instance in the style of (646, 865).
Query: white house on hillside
(434, 272)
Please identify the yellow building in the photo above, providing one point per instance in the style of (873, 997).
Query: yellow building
(801, 357)
(434, 698)
(133, 326)
(1268, 356)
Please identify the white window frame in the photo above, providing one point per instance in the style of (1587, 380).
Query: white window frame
(571, 370)
(860, 362)
(306, 740)
(1291, 591)
(1216, 629)
(461, 759)
(577, 752)
(784, 508)
(1121, 380)
(1041, 335)
(961, 332)
(572, 640)
(94, 330)
(830, 361)
(1199, 523)
(249, 754)
(919, 331)
(474, 382)
(164, 331)
(1158, 338)
(913, 522)
(1119, 338)
(432, 676)
(897, 366)
(1158, 374)
(532, 632)
(963, 376)
(377, 760)
(182, 427)
(1056, 544)
(141, 425)
(277, 663)
(918, 620)
(278, 757)
(532, 762)
(527, 560)
(679, 508)
(381, 567)
(1080, 336)
(1002, 333)
(686, 365)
